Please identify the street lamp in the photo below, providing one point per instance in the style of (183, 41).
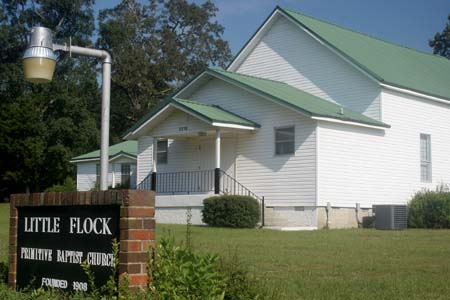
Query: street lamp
(39, 62)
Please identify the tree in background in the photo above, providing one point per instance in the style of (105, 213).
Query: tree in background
(43, 126)
(441, 41)
(155, 48)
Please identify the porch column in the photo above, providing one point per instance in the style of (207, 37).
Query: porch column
(217, 169)
(154, 160)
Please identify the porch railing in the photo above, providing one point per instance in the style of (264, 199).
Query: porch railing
(201, 181)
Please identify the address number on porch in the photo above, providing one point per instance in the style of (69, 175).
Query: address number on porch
(184, 128)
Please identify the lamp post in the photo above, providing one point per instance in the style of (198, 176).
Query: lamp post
(39, 63)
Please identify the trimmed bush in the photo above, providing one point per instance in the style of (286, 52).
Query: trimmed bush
(429, 209)
(231, 211)
(69, 185)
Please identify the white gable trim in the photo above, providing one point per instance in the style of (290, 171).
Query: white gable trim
(266, 27)
(323, 43)
(237, 61)
(146, 122)
(98, 159)
(217, 124)
(251, 44)
(348, 123)
(277, 102)
(237, 85)
(229, 125)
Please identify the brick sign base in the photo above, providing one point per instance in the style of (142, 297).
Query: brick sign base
(137, 226)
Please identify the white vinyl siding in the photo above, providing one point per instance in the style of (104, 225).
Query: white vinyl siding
(179, 122)
(425, 157)
(285, 179)
(87, 173)
(383, 167)
(145, 157)
(286, 53)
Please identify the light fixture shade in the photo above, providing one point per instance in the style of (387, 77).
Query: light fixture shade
(39, 64)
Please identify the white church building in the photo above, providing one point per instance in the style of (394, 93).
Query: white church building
(308, 116)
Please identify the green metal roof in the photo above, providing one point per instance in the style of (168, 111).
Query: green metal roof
(306, 103)
(128, 148)
(280, 92)
(213, 113)
(389, 63)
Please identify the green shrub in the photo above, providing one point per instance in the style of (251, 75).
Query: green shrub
(69, 185)
(231, 211)
(180, 274)
(429, 209)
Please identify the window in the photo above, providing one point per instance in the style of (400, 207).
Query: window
(97, 174)
(161, 152)
(284, 140)
(425, 158)
(125, 171)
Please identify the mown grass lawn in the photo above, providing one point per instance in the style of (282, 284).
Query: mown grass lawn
(4, 231)
(326, 264)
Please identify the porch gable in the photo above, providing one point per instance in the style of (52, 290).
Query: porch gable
(185, 117)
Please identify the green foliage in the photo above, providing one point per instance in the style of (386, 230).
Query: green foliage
(69, 185)
(441, 41)
(231, 211)
(430, 209)
(180, 274)
(162, 43)
(240, 283)
(3, 272)
(43, 126)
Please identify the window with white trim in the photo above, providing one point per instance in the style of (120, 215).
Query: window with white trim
(125, 175)
(284, 140)
(425, 157)
(161, 151)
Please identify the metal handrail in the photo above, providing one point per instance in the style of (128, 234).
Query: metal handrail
(229, 185)
(198, 181)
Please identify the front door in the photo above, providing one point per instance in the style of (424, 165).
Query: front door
(205, 152)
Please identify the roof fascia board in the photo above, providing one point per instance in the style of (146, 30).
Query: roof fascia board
(232, 125)
(274, 99)
(348, 123)
(249, 45)
(148, 121)
(414, 93)
(189, 84)
(75, 161)
(124, 154)
(333, 49)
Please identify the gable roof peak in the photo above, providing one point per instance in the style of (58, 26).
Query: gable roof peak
(387, 63)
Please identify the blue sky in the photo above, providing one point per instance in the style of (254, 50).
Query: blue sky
(406, 22)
